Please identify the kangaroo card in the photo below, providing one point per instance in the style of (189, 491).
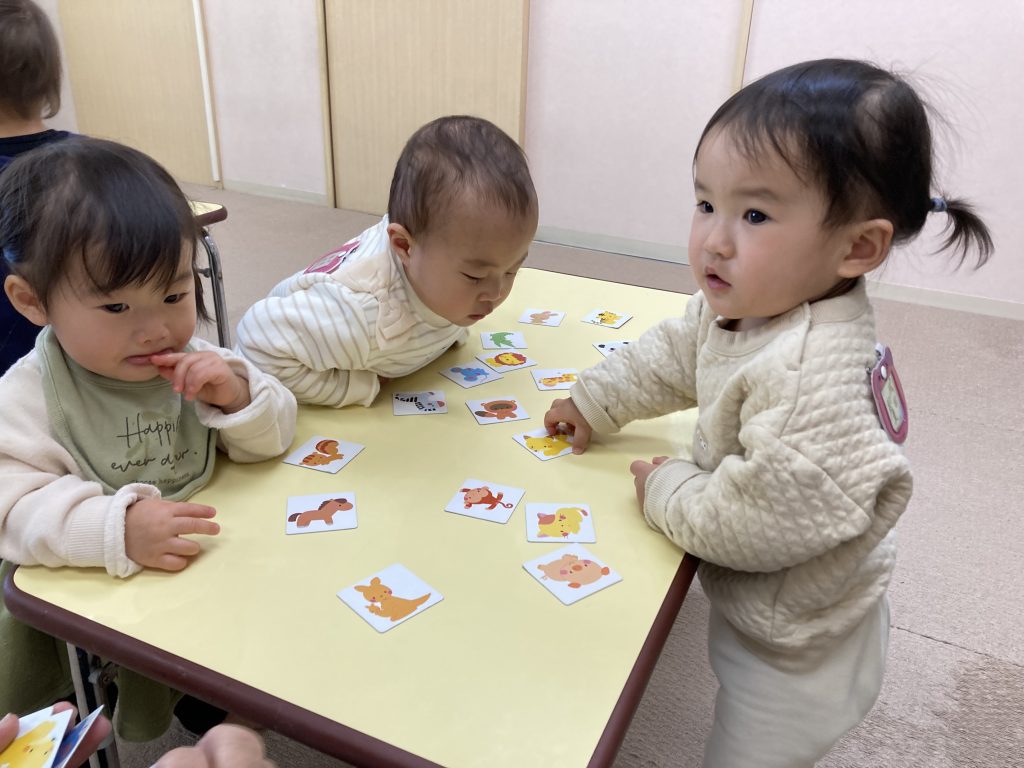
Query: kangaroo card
(506, 361)
(571, 573)
(559, 523)
(497, 410)
(486, 501)
(549, 317)
(39, 737)
(607, 318)
(389, 597)
(419, 403)
(470, 374)
(544, 446)
(607, 347)
(321, 512)
(502, 340)
(554, 378)
(324, 454)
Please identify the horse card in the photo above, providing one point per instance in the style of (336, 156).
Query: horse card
(502, 340)
(389, 597)
(547, 379)
(321, 512)
(506, 361)
(486, 501)
(571, 573)
(324, 454)
(543, 445)
(549, 317)
(607, 318)
(607, 347)
(559, 523)
(470, 374)
(497, 410)
(419, 403)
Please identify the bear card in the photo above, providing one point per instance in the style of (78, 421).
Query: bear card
(497, 410)
(559, 523)
(419, 403)
(544, 446)
(502, 340)
(486, 501)
(38, 740)
(324, 454)
(389, 597)
(571, 573)
(607, 318)
(549, 317)
(607, 347)
(547, 379)
(506, 361)
(321, 512)
(470, 374)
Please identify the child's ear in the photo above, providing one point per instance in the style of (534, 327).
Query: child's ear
(400, 240)
(869, 245)
(25, 300)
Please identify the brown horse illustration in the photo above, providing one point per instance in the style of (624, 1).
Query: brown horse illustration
(324, 513)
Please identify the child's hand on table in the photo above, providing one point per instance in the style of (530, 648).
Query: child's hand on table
(641, 471)
(153, 529)
(564, 411)
(204, 376)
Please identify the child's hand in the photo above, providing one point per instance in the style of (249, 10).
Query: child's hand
(153, 529)
(204, 376)
(565, 412)
(641, 471)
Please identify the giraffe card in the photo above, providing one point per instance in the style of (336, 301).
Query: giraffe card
(324, 454)
(547, 379)
(321, 512)
(389, 597)
(502, 340)
(485, 501)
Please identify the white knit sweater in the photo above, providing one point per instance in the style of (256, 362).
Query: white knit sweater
(794, 487)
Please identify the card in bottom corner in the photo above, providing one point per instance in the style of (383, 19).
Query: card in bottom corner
(321, 512)
(38, 740)
(73, 738)
(545, 446)
(485, 501)
(419, 403)
(387, 598)
(324, 454)
(559, 523)
(571, 573)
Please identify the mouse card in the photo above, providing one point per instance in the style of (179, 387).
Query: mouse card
(485, 501)
(571, 573)
(321, 512)
(559, 523)
(389, 597)
(470, 374)
(324, 454)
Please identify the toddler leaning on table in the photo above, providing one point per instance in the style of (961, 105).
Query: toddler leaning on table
(114, 419)
(461, 216)
(803, 180)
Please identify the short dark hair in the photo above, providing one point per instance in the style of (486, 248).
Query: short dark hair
(111, 206)
(453, 155)
(29, 60)
(858, 131)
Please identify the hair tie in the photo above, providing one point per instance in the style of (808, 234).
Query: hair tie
(10, 255)
(938, 205)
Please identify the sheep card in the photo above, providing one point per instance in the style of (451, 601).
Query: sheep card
(324, 454)
(502, 340)
(506, 361)
(547, 379)
(549, 317)
(559, 523)
(544, 446)
(607, 318)
(470, 374)
(389, 597)
(39, 737)
(571, 573)
(418, 403)
(321, 512)
(607, 347)
(486, 501)
(496, 410)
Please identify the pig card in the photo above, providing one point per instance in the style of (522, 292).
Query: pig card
(571, 573)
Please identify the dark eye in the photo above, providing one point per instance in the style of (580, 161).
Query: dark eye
(705, 207)
(755, 217)
(174, 298)
(115, 309)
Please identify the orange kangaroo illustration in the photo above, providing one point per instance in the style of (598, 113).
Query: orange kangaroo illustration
(325, 512)
(383, 603)
(326, 452)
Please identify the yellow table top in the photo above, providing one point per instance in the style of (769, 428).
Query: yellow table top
(499, 673)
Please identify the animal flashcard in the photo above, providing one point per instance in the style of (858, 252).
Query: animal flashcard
(607, 318)
(555, 378)
(324, 454)
(559, 522)
(389, 597)
(497, 410)
(38, 740)
(607, 347)
(571, 573)
(470, 374)
(72, 739)
(506, 361)
(543, 445)
(502, 340)
(419, 403)
(486, 501)
(549, 317)
(321, 512)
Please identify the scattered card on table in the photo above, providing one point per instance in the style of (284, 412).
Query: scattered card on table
(72, 739)
(324, 454)
(321, 512)
(559, 522)
(486, 501)
(607, 347)
(607, 318)
(38, 740)
(571, 573)
(470, 374)
(497, 410)
(544, 446)
(418, 403)
(502, 340)
(389, 597)
(506, 361)
(555, 378)
(550, 317)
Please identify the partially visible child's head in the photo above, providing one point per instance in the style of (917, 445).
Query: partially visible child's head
(29, 62)
(462, 211)
(101, 245)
